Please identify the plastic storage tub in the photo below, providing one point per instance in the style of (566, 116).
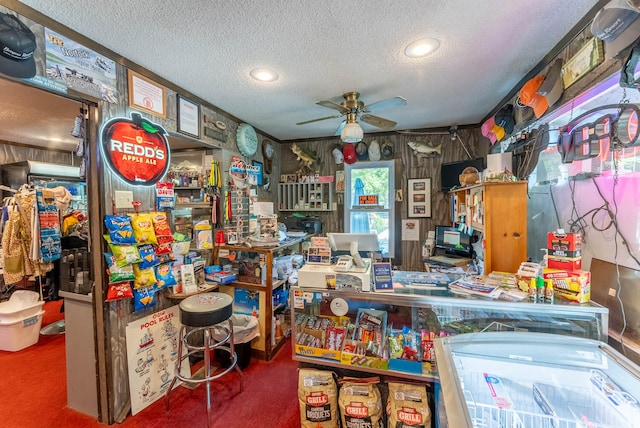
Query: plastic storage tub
(22, 333)
(21, 305)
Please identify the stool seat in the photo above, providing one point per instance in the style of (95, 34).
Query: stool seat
(206, 309)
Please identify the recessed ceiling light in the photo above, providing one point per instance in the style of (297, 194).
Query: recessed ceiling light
(264, 74)
(421, 47)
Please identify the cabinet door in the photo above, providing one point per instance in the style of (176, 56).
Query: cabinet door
(505, 233)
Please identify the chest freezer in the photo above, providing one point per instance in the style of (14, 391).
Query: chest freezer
(532, 380)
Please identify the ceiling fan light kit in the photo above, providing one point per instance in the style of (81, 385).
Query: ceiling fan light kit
(353, 108)
(352, 133)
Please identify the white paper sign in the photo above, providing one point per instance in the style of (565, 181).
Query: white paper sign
(410, 230)
(152, 351)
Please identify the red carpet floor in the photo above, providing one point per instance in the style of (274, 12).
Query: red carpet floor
(33, 393)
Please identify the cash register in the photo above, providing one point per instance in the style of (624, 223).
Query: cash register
(452, 248)
(351, 270)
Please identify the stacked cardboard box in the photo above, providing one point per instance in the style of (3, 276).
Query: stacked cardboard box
(564, 267)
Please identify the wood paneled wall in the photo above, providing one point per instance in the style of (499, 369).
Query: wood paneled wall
(408, 166)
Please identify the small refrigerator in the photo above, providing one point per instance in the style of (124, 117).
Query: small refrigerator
(534, 380)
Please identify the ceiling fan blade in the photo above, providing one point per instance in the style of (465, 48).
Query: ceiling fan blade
(331, 104)
(378, 121)
(339, 130)
(384, 104)
(318, 119)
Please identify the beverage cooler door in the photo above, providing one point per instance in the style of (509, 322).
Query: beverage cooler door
(534, 380)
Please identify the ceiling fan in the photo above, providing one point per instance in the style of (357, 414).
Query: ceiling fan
(353, 108)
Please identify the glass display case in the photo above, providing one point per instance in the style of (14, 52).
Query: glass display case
(393, 333)
(518, 380)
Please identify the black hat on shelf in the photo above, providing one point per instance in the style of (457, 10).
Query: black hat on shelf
(17, 45)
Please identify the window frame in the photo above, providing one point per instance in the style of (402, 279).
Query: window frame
(348, 197)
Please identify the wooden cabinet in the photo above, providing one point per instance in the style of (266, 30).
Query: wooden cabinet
(497, 212)
(263, 287)
(305, 196)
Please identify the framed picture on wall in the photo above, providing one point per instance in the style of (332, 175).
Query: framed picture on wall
(146, 95)
(419, 197)
(188, 117)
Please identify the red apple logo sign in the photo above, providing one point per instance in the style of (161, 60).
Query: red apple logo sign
(135, 149)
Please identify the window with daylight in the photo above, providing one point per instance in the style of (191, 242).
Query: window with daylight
(369, 201)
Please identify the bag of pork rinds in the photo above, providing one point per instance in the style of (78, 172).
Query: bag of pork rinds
(360, 403)
(408, 406)
(318, 398)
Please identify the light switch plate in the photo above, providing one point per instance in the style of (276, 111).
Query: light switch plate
(123, 199)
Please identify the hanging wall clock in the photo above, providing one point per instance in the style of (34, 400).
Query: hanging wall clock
(247, 140)
(268, 152)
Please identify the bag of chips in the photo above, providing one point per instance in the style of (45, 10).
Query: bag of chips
(164, 276)
(124, 254)
(318, 399)
(165, 258)
(117, 273)
(407, 406)
(121, 290)
(143, 298)
(148, 256)
(120, 229)
(143, 228)
(164, 249)
(360, 403)
(161, 227)
(144, 277)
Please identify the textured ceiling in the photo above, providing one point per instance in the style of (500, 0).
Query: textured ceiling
(321, 49)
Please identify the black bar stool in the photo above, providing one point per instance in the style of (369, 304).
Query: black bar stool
(209, 313)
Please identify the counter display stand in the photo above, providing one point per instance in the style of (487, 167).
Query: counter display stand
(431, 313)
(263, 347)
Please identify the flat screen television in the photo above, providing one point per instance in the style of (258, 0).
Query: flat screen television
(453, 241)
(450, 172)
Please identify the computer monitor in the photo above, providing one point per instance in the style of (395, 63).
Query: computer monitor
(367, 242)
(453, 241)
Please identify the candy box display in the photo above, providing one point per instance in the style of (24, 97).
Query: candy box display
(363, 354)
(321, 336)
(565, 263)
(564, 244)
(371, 325)
(578, 280)
(405, 351)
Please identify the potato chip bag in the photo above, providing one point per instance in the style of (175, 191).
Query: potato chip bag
(144, 277)
(161, 227)
(143, 228)
(148, 256)
(120, 229)
(125, 254)
(165, 258)
(121, 290)
(164, 276)
(117, 273)
(164, 249)
(143, 298)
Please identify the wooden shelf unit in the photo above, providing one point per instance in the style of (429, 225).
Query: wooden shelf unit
(262, 347)
(497, 211)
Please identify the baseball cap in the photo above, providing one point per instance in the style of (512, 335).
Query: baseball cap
(361, 151)
(529, 96)
(387, 150)
(17, 45)
(498, 131)
(504, 119)
(487, 129)
(613, 19)
(374, 151)
(349, 153)
(552, 88)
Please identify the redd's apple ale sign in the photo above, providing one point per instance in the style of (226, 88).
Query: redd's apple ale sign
(135, 149)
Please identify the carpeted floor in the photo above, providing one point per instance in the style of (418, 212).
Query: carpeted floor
(33, 392)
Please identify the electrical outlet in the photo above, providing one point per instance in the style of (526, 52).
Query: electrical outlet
(123, 199)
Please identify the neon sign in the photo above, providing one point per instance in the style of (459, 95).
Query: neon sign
(135, 149)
